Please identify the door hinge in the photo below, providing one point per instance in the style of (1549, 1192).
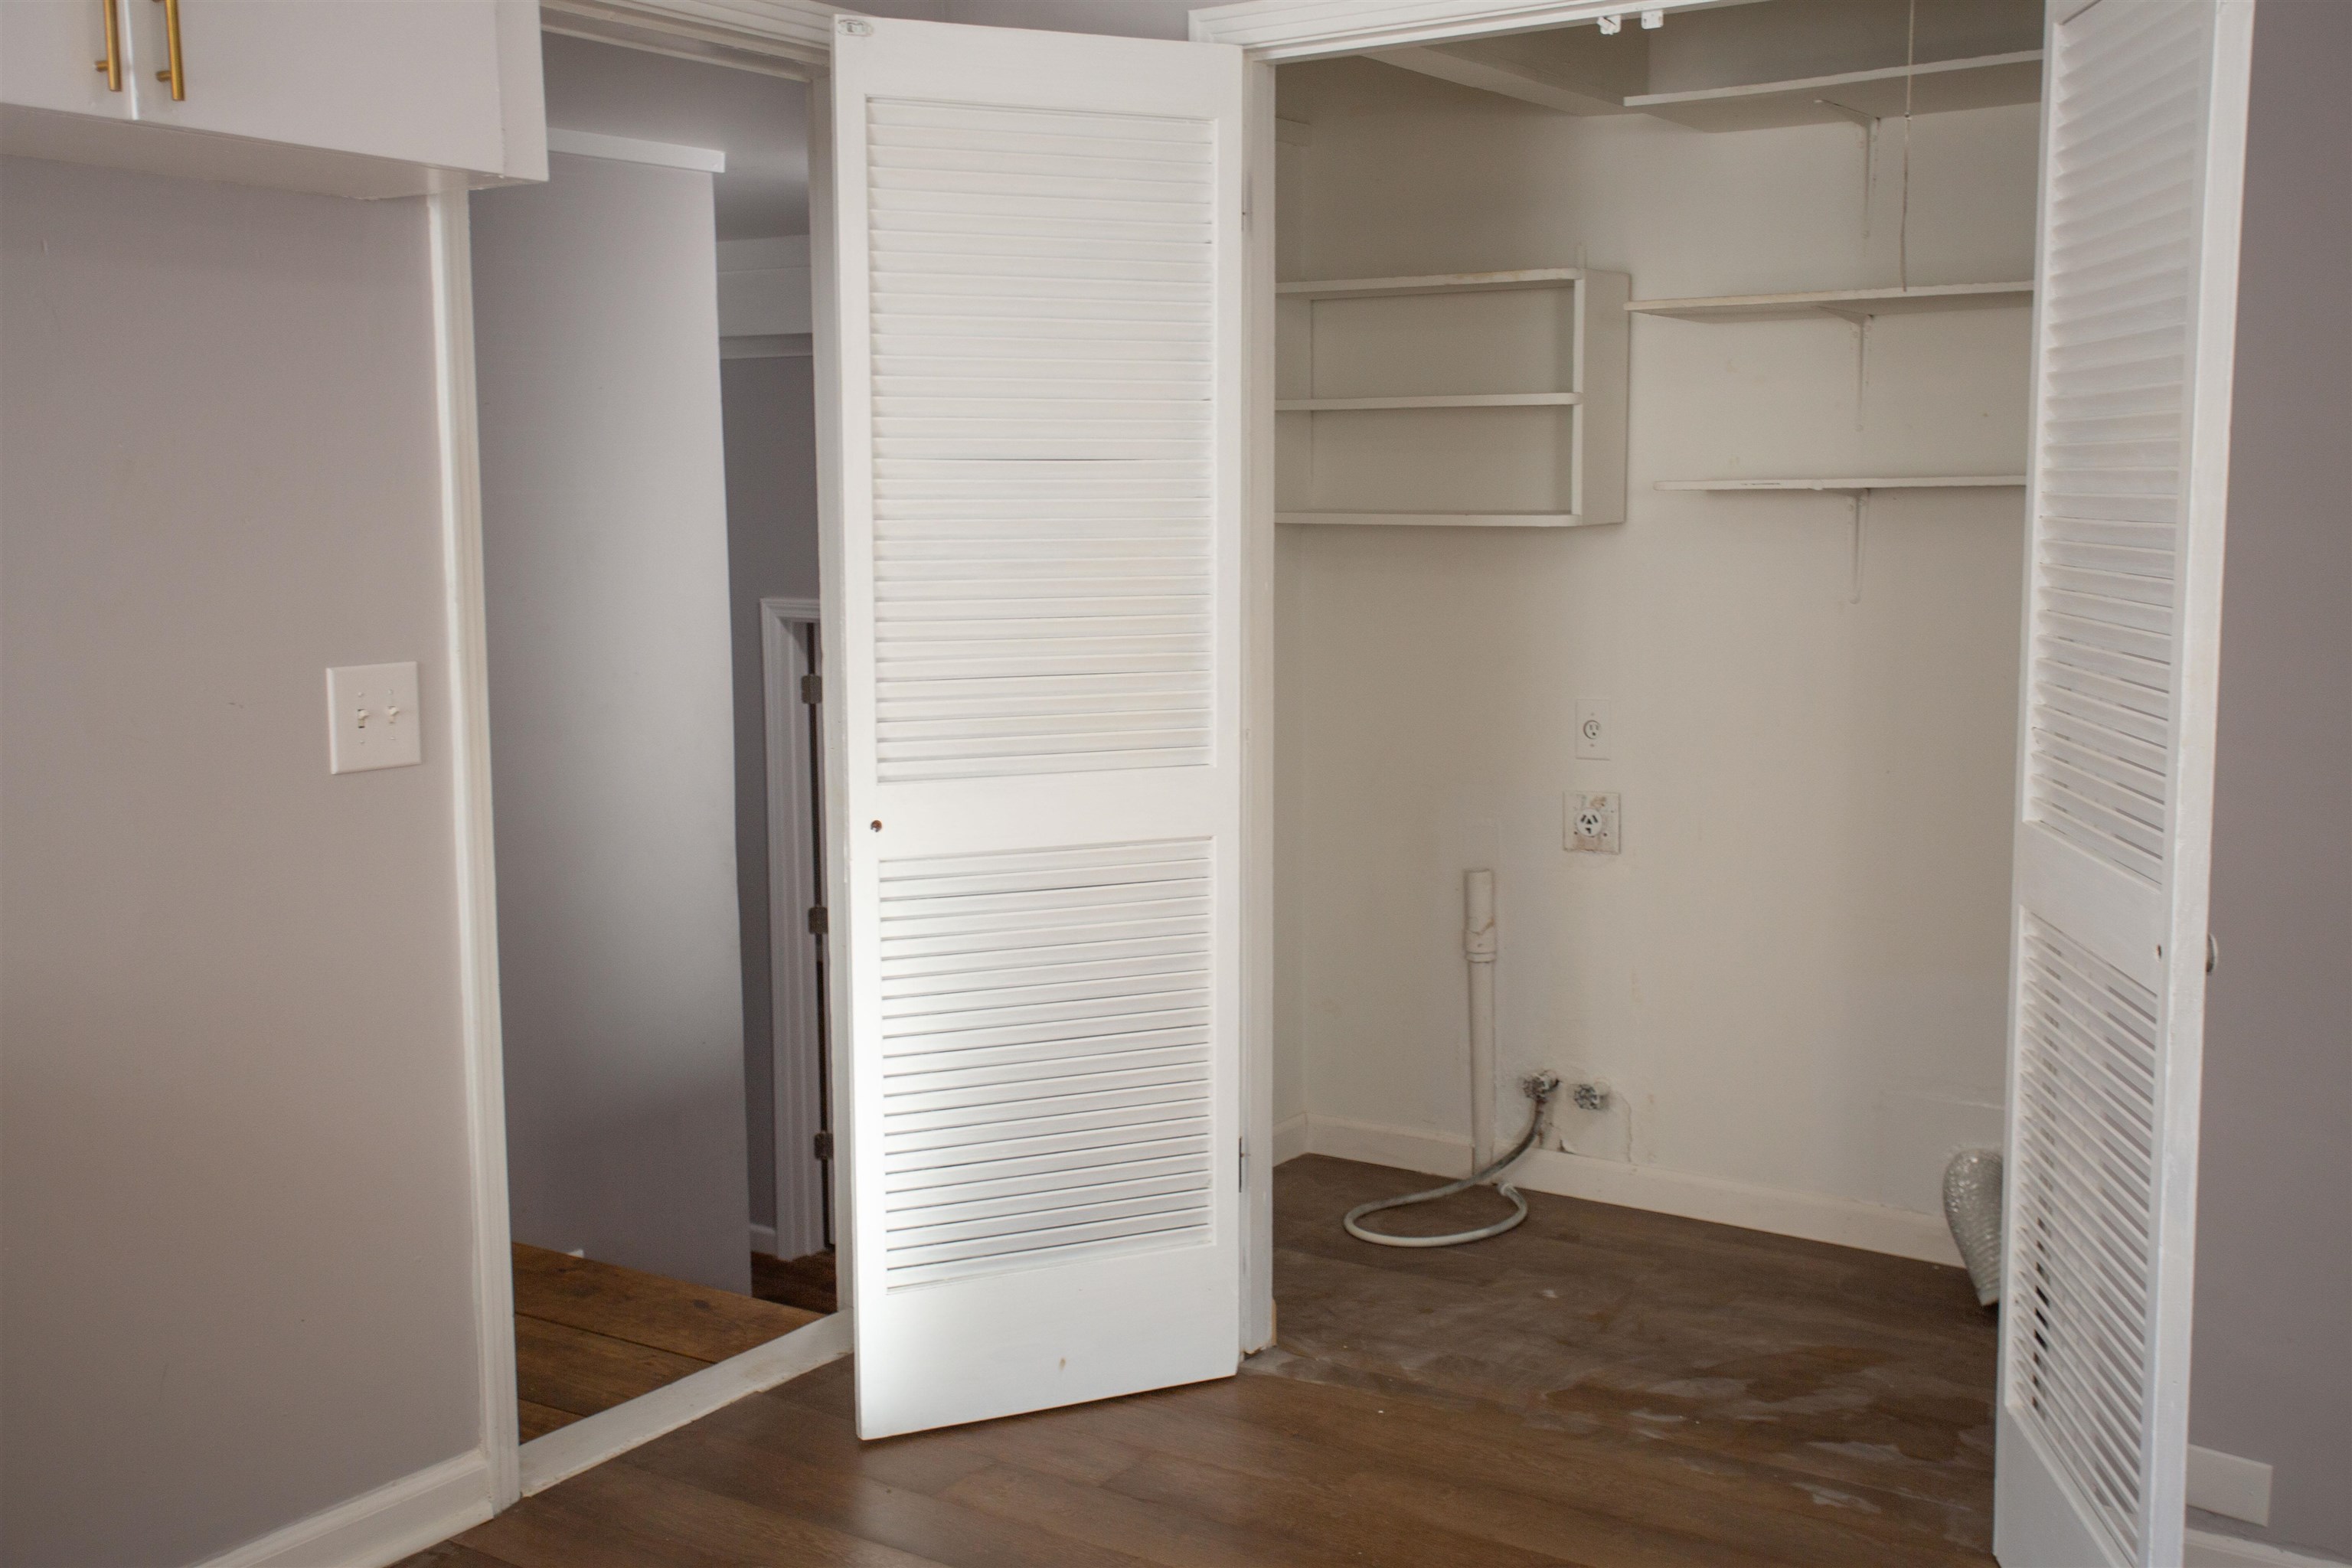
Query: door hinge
(1249, 193)
(824, 1145)
(820, 920)
(813, 689)
(1244, 1172)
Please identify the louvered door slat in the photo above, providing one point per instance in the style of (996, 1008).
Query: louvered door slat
(1042, 328)
(2146, 118)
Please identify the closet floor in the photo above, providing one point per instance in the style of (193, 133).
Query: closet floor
(591, 1335)
(1602, 1387)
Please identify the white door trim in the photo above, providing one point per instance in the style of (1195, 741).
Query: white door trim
(795, 1031)
(466, 654)
(780, 37)
(1279, 30)
(1257, 726)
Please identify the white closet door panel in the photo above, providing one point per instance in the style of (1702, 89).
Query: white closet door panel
(2142, 155)
(1040, 266)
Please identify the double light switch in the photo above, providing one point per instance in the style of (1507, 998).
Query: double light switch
(371, 717)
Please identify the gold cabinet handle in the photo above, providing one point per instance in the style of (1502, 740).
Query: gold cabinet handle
(112, 64)
(175, 74)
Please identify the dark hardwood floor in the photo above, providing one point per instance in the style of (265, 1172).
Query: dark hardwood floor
(1602, 1387)
(591, 1335)
(803, 1282)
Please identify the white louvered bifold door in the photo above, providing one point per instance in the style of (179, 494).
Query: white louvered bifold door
(1035, 626)
(2142, 158)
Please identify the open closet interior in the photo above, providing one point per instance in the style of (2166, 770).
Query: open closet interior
(1696, 372)
(1651, 425)
(649, 524)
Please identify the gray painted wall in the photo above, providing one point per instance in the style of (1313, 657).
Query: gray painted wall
(770, 423)
(2273, 1373)
(238, 1269)
(603, 508)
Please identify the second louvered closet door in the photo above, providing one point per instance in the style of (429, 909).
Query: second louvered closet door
(2142, 161)
(1036, 611)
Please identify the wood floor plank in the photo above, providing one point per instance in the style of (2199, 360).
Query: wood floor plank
(1192, 1425)
(1044, 1443)
(538, 1420)
(573, 1369)
(453, 1554)
(1152, 1531)
(843, 1497)
(815, 1426)
(646, 1309)
(622, 1516)
(1320, 1516)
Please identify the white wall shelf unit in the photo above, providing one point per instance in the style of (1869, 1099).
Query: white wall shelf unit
(1936, 87)
(1438, 519)
(1843, 304)
(1855, 486)
(1857, 492)
(1460, 400)
(1454, 400)
(1435, 283)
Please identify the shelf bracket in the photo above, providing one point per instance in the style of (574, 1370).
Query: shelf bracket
(1860, 321)
(1861, 500)
(1868, 121)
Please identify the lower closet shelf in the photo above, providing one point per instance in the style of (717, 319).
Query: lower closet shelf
(1440, 519)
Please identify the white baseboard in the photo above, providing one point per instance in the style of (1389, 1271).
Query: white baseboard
(1290, 1138)
(763, 1239)
(378, 1526)
(2207, 1550)
(2227, 1485)
(1814, 1216)
(568, 1450)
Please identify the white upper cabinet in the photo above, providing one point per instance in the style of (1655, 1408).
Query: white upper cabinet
(66, 55)
(363, 98)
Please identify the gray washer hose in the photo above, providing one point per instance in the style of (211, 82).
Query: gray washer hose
(1539, 1088)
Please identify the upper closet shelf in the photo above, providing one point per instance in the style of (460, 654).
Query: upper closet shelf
(1847, 304)
(1984, 82)
(1439, 283)
(1856, 486)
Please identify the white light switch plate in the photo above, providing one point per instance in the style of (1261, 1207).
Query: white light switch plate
(1592, 730)
(1591, 825)
(371, 717)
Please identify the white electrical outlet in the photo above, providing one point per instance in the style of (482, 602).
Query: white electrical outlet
(1593, 730)
(371, 717)
(1591, 826)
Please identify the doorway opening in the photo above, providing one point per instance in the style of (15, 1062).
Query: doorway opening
(797, 1267)
(650, 527)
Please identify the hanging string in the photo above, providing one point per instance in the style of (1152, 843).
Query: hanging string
(1903, 224)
